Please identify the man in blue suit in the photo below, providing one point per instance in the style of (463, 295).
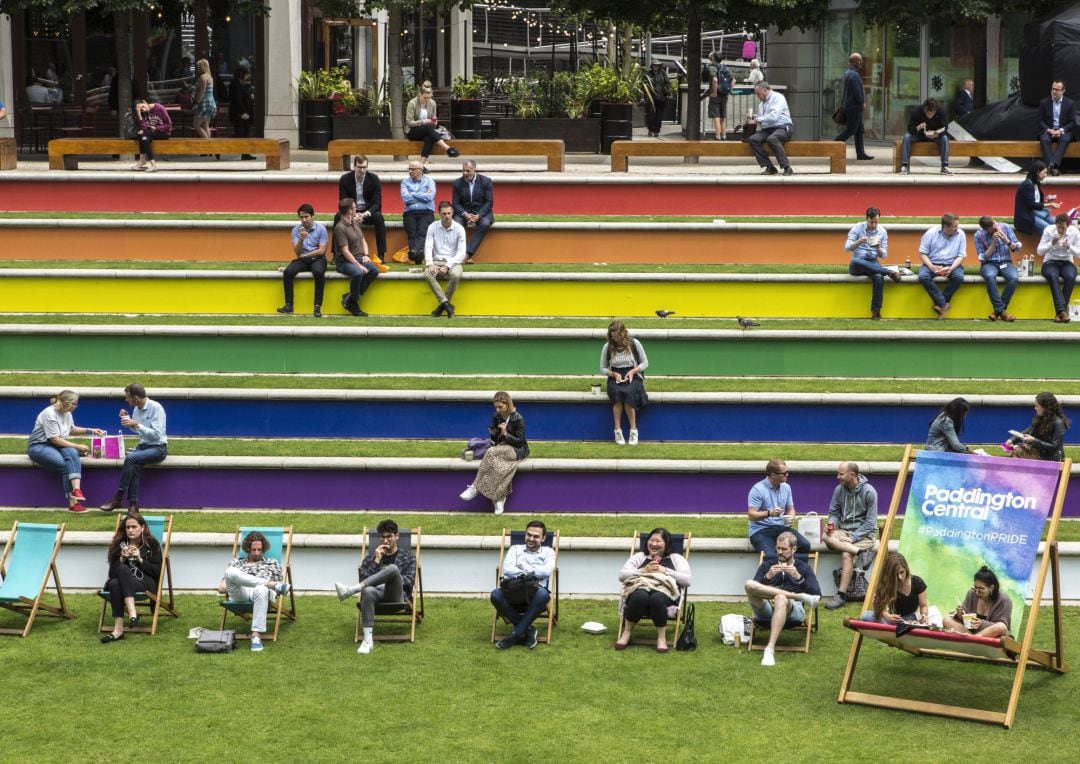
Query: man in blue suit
(473, 199)
(1057, 117)
(853, 103)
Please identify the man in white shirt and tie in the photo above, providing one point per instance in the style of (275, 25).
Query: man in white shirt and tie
(474, 198)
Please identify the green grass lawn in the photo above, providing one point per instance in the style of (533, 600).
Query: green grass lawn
(451, 696)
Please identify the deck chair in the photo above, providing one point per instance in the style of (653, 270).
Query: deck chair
(680, 544)
(411, 611)
(149, 603)
(29, 559)
(551, 612)
(808, 627)
(280, 540)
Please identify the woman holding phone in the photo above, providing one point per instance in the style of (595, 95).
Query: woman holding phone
(501, 460)
(1044, 438)
(623, 362)
(134, 566)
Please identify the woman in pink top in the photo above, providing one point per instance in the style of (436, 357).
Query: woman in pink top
(152, 123)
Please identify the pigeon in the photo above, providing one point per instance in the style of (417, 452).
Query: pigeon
(746, 323)
(665, 313)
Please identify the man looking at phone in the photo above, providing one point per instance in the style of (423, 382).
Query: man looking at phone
(522, 560)
(779, 592)
(868, 242)
(852, 526)
(386, 575)
(147, 418)
(444, 253)
(771, 510)
(995, 244)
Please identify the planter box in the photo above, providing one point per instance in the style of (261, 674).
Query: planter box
(580, 136)
(316, 128)
(465, 117)
(352, 126)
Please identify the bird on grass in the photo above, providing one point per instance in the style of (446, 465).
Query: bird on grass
(746, 323)
(665, 313)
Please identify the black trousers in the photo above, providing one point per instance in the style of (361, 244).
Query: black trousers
(317, 266)
(429, 134)
(126, 582)
(146, 142)
(642, 602)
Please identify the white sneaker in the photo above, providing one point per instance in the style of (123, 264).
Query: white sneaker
(342, 591)
(366, 647)
(768, 658)
(470, 492)
(633, 437)
(500, 506)
(256, 645)
(619, 439)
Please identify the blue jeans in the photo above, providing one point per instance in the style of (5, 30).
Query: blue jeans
(765, 540)
(144, 453)
(990, 273)
(360, 278)
(1043, 220)
(62, 460)
(1052, 270)
(941, 299)
(482, 226)
(876, 271)
(943, 147)
(522, 620)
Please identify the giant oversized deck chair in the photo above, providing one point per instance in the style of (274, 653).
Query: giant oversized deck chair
(551, 611)
(28, 561)
(411, 611)
(280, 541)
(680, 544)
(977, 507)
(149, 603)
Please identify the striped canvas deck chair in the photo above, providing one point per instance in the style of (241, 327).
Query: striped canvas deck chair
(152, 603)
(28, 561)
(280, 541)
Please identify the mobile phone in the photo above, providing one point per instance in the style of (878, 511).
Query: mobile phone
(1016, 434)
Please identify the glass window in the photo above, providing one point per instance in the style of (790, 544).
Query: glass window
(846, 32)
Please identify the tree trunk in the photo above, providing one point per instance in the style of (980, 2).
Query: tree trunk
(122, 35)
(693, 80)
(393, 63)
(627, 48)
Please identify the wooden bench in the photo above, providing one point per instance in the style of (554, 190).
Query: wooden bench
(64, 153)
(8, 151)
(621, 151)
(339, 151)
(1021, 149)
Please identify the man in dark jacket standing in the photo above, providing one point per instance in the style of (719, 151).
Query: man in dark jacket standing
(852, 526)
(474, 198)
(853, 103)
(1057, 118)
(366, 189)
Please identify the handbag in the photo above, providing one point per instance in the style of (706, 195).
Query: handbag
(107, 446)
(215, 641)
(810, 528)
(687, 641)
(748, 129)
(520, 590)
(857, 586)
(475, 449)
(839, 116)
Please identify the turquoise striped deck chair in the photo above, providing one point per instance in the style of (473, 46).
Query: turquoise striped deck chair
(29, 559)
(151, 604)
(280, 541)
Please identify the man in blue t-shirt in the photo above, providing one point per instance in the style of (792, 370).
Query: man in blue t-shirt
(771, 510)
(309, 242)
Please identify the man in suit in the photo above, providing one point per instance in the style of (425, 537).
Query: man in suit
(366, 189)
(1057, 117)
(854, 101)
(965, 100)
(473, 200)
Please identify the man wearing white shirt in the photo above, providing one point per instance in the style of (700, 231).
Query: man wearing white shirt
(942, 250)
(147, 418)
(1060, 243)
(774, 127)
(444, 252)
(531, 558)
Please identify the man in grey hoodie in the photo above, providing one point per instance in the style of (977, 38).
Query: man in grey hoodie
(852, 525)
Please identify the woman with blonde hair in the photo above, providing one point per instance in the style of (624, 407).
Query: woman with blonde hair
(500, 462)
(204, 108)
(422, 124)
(623, 361)
(50, 448)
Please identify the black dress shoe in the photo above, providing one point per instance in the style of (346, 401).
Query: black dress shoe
(111, 638)
(439, 310)
(449, 310)
(286, 308)
(452, 152)
(133, 622)
(865, 158)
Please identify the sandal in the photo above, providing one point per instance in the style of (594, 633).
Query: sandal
(111, 638)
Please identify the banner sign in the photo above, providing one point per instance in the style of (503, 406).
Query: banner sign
(965, 511)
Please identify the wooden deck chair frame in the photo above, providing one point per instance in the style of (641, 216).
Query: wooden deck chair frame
(412, 616)
(1023, 651)
(635, 546)
(809, 625)
(149, 603)
(26, 606)
(277, 607)
(551, 612)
